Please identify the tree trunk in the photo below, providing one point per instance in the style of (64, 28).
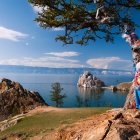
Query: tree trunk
(130, 100)
(134, 42)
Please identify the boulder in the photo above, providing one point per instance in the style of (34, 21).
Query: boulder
(87, 80)
(14, 99)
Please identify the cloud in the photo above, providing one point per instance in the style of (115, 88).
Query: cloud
(39, 9)
(58, 59)
(115, 63)
(54, 62)
(63, 54)
(10, 34)
(57, 29)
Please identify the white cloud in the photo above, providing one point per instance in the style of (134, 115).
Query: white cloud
(54, 62)
(10, 34)
(39, 9)
(58, 59)
(57, 29)
(115, 63)
(63, 54)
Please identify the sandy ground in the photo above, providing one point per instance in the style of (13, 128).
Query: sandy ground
(79, 127)
(42, 109)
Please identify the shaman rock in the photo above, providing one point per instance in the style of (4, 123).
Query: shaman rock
(87, 80)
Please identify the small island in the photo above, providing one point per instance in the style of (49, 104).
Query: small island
(87, 80)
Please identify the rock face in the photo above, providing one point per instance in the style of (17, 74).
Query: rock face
(116, 124)
(87, 80)
(14, 99)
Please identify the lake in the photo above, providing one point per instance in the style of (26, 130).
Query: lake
(76, 97)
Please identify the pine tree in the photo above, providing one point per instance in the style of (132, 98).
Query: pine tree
(56, 95)
(96, 19)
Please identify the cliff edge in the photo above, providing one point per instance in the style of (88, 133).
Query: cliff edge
(14, 99)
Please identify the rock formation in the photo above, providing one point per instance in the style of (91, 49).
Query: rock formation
(116, 124)
(14, 99)
(87, 80)
(124, 86)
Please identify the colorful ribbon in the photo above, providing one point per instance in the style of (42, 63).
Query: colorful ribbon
(134, 41)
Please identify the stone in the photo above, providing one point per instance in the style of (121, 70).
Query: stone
(87, 80)
(104, 127)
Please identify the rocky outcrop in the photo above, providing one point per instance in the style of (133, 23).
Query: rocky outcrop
(14, 99)
(124, 86)
(120, 87)
(116, 124)
(87, 80)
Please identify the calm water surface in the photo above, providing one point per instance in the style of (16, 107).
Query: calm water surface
(76, 97)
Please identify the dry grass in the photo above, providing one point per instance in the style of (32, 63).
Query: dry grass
(47, 121)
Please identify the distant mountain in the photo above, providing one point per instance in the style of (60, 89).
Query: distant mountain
(46, 70)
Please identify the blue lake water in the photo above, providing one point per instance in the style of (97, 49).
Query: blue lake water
(76, 97)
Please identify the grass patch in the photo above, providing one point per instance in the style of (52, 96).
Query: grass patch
(48, 121)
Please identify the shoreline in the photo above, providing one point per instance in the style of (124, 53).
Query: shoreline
(124, 87)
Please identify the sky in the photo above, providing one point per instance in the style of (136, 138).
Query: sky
(23, 42)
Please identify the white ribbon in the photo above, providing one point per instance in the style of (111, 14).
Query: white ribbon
(98, 12)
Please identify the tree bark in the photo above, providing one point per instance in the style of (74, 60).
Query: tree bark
(130, 99)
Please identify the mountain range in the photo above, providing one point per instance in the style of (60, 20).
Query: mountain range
(47, 70)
